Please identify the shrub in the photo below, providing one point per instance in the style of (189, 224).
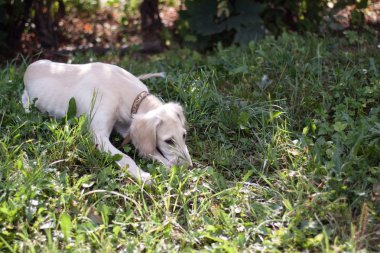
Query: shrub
(204, 23)
(12, 23)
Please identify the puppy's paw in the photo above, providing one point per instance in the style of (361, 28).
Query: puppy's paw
(146, 178)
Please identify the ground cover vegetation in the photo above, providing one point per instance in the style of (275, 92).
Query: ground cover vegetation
(285, 138)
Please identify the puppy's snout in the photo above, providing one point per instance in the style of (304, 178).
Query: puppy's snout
(189, 164)
(185, 163)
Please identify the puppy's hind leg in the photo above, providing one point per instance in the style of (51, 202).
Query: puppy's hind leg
(25, 100)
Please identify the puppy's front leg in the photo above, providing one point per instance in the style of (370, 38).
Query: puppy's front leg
(104, 144)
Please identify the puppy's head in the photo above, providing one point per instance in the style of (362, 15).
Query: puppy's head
(161, 134)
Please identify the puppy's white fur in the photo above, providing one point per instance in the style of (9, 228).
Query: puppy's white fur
(106, 93)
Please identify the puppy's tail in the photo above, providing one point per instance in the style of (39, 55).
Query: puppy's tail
(150, 75)
(25, 100)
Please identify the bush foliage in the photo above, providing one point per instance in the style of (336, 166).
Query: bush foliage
(204, 23)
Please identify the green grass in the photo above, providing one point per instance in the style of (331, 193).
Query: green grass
(284, 164)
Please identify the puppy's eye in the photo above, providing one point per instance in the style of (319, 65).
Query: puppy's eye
(184, 136)
(169, 141)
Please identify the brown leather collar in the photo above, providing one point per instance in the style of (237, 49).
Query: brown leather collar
(138, 100)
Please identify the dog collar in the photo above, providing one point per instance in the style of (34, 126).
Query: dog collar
(138, 100)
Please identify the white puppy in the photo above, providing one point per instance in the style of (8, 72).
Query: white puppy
(114, 99)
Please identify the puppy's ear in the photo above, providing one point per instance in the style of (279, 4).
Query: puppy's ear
(177, 108)
(143, 133)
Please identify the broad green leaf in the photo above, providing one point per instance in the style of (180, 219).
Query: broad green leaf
(117, 157)
(72, 110)
(66, 225)
(339, 126)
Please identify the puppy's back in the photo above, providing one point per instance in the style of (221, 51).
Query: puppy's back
(51, 85)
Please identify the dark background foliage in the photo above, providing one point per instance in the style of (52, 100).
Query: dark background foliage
(31, 26)
(240, 21)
